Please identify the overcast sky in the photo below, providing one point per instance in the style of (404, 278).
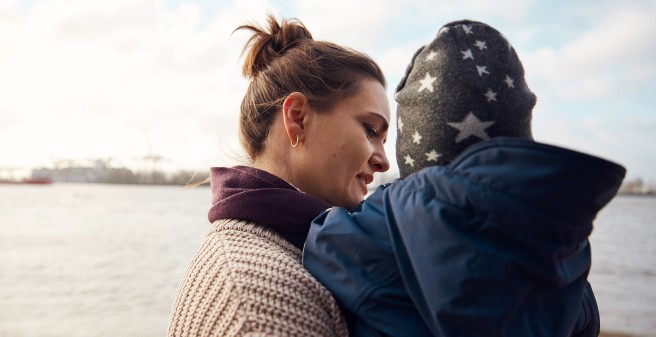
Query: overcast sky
(124, 79)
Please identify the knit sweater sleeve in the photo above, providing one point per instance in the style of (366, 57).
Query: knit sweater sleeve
(246, 280)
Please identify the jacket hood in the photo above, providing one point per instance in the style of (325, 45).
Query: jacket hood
(539, 182)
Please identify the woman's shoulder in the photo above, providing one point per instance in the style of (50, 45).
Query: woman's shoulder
(247, 278)
(243, 236)
(248, 251)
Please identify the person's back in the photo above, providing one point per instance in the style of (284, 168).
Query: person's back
(482, 246)
(231, 288)
(490, 237)
(246, 277)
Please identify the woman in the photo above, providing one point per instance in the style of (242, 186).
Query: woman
(313, 121)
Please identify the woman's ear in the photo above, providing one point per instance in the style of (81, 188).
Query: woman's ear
(295, 109)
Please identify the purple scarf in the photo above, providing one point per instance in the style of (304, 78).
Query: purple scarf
(247, 193)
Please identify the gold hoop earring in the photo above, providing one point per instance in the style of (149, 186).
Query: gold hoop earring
(294, 144)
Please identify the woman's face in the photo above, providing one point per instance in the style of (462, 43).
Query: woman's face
(343, 147)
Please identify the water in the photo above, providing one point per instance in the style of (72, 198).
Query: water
(104, 260)
(94, 260)
(623, 272)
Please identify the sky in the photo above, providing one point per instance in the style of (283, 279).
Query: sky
(125, 80)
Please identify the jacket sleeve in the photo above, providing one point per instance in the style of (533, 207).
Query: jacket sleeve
(350, 254)
(468, 274)
(588, 324)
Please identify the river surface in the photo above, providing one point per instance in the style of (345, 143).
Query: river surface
(105, 260)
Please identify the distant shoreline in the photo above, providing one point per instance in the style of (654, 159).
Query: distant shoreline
(614, 334)
(649, 194)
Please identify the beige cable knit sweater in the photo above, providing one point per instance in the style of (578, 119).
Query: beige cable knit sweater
(246, 280)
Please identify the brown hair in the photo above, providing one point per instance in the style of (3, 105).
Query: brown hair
(284, 59)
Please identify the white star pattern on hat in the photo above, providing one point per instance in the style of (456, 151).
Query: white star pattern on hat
(427, 83)
(467, 54)
(480, 44)
(509, 81)
(409, 160)
(400, 125)
(431, 156)
(467, 29)
(431, 56)
(443, 30)
(471, 126)
(491, 95)
(481, 70)
(416, 138)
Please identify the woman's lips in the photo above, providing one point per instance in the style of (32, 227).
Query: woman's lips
(365, 179)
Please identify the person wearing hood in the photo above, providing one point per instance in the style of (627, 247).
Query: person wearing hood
(486, 232)
(313, 121)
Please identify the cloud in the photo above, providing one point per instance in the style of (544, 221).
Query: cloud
(88, 77)
(9, 10)
(356, 24)
(615, 55)
(628, 141)
(595, 85)
(507, 10)
(373, 26)
(98, 71)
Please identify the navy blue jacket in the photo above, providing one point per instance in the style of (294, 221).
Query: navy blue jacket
(494, 244)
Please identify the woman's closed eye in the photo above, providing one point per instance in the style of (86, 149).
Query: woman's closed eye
(372, 132)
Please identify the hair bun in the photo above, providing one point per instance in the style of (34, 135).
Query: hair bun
(268, 43)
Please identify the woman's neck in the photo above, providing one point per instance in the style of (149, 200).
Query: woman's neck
(266, 162)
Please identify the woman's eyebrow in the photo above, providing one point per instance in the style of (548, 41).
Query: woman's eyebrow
(383, 120)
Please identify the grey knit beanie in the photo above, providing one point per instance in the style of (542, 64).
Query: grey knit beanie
(466, 86)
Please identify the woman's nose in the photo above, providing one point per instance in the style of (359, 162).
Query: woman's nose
(379, 161)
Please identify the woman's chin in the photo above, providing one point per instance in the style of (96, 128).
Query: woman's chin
(354, 201)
